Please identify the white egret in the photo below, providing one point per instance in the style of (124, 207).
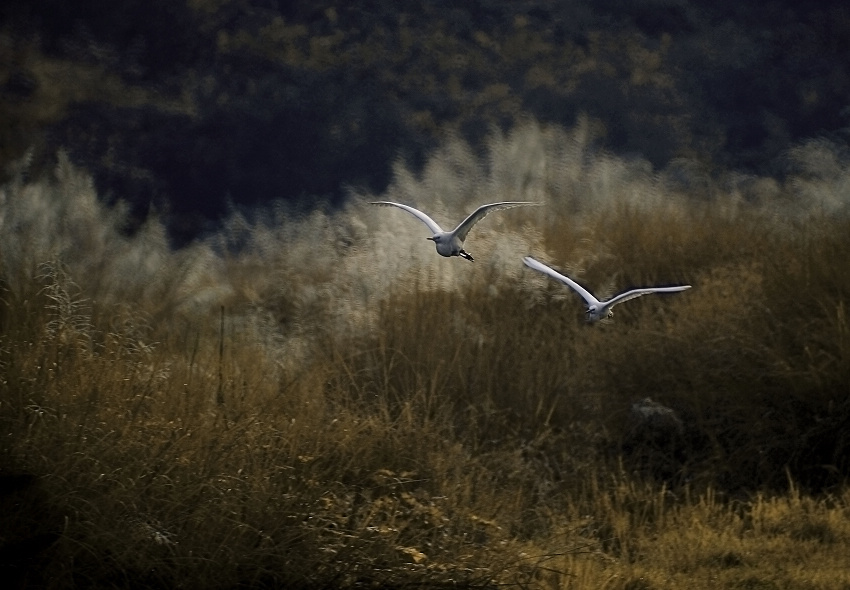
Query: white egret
(450, 243)
(596, 310)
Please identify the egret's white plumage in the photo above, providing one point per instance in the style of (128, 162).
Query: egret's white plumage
(450, 243)
(596, 310)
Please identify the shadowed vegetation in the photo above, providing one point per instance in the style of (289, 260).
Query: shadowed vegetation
(322, 401)
(193, 106)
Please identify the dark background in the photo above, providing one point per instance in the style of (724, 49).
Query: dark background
(197, 107)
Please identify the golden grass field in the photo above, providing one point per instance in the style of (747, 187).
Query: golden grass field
(322, 401)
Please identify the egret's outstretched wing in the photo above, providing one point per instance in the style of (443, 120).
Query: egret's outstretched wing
(532, 263)
(638, 292)
(464, 226)
(432, 225)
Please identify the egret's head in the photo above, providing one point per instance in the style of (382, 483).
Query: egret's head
(594, 314)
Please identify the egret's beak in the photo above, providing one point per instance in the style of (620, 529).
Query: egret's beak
(432, 238)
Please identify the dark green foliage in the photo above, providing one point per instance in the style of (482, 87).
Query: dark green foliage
(248, 102)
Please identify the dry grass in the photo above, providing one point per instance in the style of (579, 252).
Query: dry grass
(323, 401)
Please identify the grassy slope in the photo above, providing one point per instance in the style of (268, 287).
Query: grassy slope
(332, 403)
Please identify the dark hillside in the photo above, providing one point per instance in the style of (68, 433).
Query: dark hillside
(193, 106)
